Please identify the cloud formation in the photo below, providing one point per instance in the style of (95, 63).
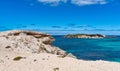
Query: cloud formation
(88, 2)
(75, 2)
(52, 2)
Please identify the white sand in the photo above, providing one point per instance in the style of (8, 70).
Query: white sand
(49, 62)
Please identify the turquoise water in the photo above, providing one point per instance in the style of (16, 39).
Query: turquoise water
(91, 49)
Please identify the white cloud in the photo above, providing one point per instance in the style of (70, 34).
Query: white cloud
(52, 2)
(75, 2)
(88, 2)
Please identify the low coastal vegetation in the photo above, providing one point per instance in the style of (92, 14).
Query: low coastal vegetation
(8, 47)
(17, 58)
(56, 69)
(84, 36)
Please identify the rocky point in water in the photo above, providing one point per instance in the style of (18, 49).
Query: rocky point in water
(84, 36)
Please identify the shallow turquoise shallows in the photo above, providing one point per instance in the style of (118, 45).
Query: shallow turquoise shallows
(91, 49)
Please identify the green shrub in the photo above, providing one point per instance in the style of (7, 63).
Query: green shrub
(55, 69)
(8, 47)
(17, 58)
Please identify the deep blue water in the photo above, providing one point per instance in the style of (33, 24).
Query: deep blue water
(91, 49)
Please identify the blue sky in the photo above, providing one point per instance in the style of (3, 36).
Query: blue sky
(61, 16)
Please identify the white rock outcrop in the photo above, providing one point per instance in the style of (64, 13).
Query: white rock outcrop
(19, 41)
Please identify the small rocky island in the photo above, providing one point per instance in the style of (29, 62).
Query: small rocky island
(84, 36)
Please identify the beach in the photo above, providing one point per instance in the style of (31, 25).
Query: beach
(32, 51)
(50, 62)
(59, 35)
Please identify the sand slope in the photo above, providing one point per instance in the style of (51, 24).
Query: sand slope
(50, 62)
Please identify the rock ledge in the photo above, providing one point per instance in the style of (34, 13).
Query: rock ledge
(20, 41)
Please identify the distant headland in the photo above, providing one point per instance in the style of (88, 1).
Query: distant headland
(84, 36)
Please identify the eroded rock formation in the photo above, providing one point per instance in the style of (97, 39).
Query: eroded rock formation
(28, 42)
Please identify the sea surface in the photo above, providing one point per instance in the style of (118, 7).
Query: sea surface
(91, 49)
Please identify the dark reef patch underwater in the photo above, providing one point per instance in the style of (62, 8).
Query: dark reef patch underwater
(91, 49)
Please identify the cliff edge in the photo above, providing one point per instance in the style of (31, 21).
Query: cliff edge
(20, 41)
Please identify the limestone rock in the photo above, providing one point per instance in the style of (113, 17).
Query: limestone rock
(20, 41)
(71, 55)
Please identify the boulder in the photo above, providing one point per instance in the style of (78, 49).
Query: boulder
(71, 55)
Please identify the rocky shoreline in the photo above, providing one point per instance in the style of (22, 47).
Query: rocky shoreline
(84, 36)
(19, 41)
(32, 51)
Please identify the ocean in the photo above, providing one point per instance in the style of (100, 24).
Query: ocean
(107, 49)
